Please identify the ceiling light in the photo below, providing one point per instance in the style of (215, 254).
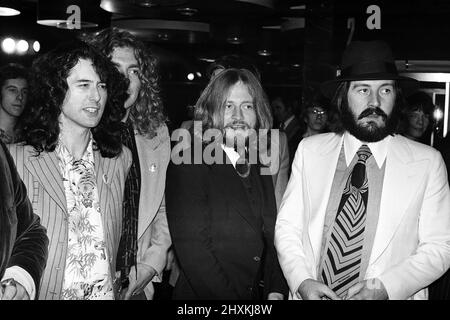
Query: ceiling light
(146, 3)
(234, 40)
(186, 11)
(190, 76)
(70, 14)
(8, 45)
(22, 46)
(36, 46)
(9, 8)
(264, 52)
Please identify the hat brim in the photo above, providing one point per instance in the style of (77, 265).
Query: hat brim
(408, 85)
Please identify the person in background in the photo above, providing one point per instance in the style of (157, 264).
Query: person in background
(23, 240)
(145, 235)
(221, 215)
(419, 115)
(74, 167)
(315, 116)
(13, 98)
(283, 112)
(365, 215)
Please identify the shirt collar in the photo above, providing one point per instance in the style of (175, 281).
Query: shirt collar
(231, 154)
(378, 149)
(66, 157)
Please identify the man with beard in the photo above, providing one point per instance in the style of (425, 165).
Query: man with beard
(222, 213)
(365, 213)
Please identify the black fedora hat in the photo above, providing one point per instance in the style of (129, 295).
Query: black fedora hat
(368, 60)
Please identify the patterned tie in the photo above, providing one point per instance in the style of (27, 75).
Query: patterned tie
(341, 266)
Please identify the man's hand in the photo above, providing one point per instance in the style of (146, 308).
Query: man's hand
(145, 274)
(370, 289)
(314, 290)
(12, 290)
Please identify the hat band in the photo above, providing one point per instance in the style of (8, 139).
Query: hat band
(369, 68)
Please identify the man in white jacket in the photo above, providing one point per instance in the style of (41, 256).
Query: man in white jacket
(366, 212)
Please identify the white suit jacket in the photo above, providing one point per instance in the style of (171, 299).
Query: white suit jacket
(153, 232)
(411, 247)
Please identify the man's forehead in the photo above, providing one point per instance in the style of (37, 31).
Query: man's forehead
(15, 82)
(372, 83)
(83, 68)
(124, 55)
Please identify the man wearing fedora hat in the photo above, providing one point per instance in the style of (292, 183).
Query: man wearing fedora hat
(366, 212)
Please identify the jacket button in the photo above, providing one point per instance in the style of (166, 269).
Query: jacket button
(257, 259)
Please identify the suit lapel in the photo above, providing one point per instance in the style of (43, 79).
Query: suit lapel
(401, 178)
(45, 168)
(320, 167)
(104, 169)
(233, 188)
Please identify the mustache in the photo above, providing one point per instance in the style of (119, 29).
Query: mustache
(237, 123)
(371, 111)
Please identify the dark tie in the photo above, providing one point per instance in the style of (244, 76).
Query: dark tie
(242, 164)
(341, 266)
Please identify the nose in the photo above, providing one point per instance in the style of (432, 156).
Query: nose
(95, 94)
(20, 96)
(374, 100)
(237, 113)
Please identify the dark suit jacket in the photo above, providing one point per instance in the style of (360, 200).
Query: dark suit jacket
(217, 239)
(23, 241)
(294, 135)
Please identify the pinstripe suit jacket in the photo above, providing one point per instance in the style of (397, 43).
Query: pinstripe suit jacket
(43, 180)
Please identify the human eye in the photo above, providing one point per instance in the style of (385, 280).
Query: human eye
(83, 85)
(386, 90)
(102, 85)
(133, 72)
(248, 106)
(228, 106)
(364, 91)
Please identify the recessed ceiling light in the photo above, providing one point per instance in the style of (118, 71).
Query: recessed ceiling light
(22, 46)
(186, 11)
(147, 3)
(264, 52)
(235, 40)
(8, 45)
(36, 46)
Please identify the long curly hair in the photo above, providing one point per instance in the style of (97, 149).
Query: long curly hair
(48, 88)
(147, 113)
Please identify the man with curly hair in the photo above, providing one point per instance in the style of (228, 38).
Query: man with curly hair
(74, 167)
(145, 236)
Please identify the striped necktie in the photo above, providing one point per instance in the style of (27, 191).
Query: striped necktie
(341, 266)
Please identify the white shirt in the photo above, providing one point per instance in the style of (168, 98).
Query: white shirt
(378, 149)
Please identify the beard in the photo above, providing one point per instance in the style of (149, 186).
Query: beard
(370, 131)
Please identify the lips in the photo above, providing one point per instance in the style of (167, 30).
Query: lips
(91, 110)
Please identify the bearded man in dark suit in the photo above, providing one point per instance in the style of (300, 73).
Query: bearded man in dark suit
(222, 213)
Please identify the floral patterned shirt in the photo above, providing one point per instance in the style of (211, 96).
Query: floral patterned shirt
(87, 274)
(6, 138)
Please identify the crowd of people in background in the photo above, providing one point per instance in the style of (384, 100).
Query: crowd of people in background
(93, 208)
